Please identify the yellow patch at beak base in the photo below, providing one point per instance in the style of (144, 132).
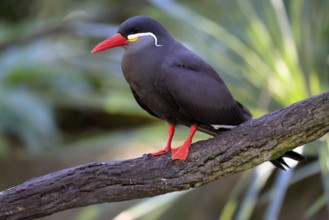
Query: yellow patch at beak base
(132, 38)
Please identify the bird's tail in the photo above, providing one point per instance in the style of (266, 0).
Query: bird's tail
(278, 162)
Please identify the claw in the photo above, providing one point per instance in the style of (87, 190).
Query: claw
(160, 152)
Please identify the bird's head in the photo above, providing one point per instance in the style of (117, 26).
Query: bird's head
(132, 31)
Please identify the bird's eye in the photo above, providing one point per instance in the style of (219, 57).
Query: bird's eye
(136, 30)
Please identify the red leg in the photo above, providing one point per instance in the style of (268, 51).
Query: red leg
(181, 152)
(171, 132)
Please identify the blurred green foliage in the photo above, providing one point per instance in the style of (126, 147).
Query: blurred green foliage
(60, 106)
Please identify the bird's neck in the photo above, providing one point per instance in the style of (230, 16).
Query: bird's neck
(140, 66)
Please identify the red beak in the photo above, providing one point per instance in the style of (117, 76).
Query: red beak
(114, 41)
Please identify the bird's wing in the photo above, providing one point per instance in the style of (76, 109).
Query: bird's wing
(197, 89)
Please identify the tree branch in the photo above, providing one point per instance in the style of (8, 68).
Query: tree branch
(231, 152)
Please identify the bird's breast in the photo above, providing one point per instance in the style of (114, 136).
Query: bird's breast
(140, 78)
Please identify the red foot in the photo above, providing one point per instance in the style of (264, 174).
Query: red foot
(171, 131)
(160, 152)
(180, 153)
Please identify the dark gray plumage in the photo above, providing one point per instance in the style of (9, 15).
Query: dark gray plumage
(174, 84)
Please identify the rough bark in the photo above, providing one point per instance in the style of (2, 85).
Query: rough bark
(231, 152)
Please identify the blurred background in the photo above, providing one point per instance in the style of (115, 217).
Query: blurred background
(61, 106)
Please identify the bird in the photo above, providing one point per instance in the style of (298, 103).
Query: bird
(174, 84)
